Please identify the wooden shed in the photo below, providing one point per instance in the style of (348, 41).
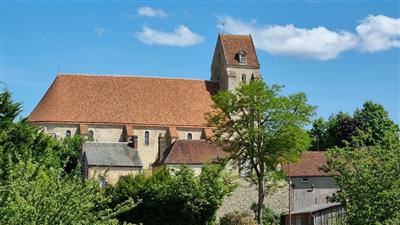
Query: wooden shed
(323, 214)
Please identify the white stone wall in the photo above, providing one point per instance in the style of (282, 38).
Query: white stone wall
(196, 133)
(107, 133)
(59, 130)
(196, 168)
(148, 153)
(112, 174)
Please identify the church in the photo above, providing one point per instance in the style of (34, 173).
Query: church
(135, 123)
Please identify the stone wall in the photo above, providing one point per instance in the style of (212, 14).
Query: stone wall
(246, 194)
(112, 173)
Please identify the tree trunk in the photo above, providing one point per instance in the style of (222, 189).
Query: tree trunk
(261, 197)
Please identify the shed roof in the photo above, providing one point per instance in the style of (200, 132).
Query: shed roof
(316, 208)
(191, 152)
(111, 154)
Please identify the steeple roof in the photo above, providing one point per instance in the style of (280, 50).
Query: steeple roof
(233, 44)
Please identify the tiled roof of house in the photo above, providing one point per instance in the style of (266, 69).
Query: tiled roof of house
(308, 165)
(233, 44)
(125, 100)
(111, 154)
(191, 152)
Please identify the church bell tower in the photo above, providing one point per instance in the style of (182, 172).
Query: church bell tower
(235, 61)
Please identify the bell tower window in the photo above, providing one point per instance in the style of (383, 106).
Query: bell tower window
(244, 78)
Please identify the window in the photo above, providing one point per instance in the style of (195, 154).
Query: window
(242, 56)
(90, 135)
(244, 78)
(146, 138)
(189, 136)
(304, 180)
(68, 134)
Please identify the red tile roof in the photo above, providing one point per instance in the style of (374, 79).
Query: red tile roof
(191, 152)
(233, 44)
(125, 100)
(308, 165)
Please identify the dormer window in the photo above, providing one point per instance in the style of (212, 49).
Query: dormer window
(242, 55)
(189, 136)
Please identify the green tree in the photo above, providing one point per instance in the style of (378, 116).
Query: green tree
(173, 198)
(369, 182)
(317, 133)
(259, 127)
(34, 194)
(375, 124)
(38, 184)
(368, 126)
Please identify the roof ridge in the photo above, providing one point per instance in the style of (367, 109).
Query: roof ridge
(128, 76)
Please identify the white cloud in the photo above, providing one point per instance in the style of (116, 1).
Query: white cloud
(379, 33)
(150, 12)
(374, 33)
(181, 37)
(99, 31)
(316, 43)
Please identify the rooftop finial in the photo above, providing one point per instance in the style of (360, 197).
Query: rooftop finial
(223, 27)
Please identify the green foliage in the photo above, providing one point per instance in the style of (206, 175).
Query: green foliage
(237, 218)
(179, 198)
(256, 124)
(9, 110)
(33, 194)
(269, 216)
(39, 179)
(368, 126)
(369, 179)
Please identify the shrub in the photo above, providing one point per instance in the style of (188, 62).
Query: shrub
(173, 199)
(237, 218)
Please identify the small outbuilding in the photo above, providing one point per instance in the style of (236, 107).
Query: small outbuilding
(194, 153)
(323, 214)
(109, 161)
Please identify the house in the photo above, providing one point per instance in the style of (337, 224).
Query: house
(310, 191)
(194, 153)
(310, 185)
(152, 113)
(109, 161)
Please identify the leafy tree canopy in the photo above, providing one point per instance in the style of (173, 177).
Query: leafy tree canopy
(368, 126)
(261, 128)
(176, 199)
(369, 182)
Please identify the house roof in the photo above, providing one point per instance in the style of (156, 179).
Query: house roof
(125, 100)
(191, 152)
(308, 165)
(111, 154)
(315, 208)
(233, 44)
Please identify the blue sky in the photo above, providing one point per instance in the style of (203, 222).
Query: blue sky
(340, 54)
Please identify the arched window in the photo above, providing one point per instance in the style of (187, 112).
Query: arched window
(189, 136)
(90, 135)
(68, 134)
(146, 138)
(244, 78)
